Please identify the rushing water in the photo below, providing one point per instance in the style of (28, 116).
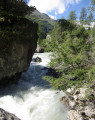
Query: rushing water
(32, 98)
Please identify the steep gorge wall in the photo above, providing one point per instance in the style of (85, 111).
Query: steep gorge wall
(18, 41)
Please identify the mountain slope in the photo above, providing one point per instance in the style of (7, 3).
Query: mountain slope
(42, 16)
(46, 24)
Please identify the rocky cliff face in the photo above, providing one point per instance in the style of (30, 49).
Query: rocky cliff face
(18, 42)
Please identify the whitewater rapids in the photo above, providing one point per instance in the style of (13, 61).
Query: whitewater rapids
(32, 98)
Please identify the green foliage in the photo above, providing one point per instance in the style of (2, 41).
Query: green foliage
(72, 49)
(83, 15)
(66, 25)
(45, 23)
(89, 96)
(93, 32)
(44, 28)
(91, 73)
(90, 17)
(19, 32)
(10, 9)
(72, 16)
(92, 2)
(92, 5)
(13, 26)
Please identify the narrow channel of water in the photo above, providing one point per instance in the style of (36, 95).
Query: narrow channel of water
(32, 98)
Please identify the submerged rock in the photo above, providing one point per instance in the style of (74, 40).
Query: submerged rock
(4, 115)
(52, 72)
(38, 59)
(65, 101)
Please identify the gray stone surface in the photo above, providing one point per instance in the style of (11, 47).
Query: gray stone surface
(39, 49)
(15, 57)
(4, 115)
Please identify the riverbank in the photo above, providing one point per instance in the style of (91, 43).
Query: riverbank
(33, 98)
(81, 103)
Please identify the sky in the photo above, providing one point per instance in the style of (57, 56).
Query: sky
(57, 9)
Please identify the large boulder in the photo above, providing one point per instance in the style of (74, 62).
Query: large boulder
(17, 47)
(4, 115)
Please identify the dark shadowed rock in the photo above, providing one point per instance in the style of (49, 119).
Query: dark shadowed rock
(65, 101)
(16, 49)
(93, 116)
(71, 98)
(7, 116)
(52, 72)
(38, 59)
(82, 113)
(77, 92)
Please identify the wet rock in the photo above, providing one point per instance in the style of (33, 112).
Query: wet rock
(93, 85)
(84, 101)
(7, 116)
(45, 68)
(93, 116)
(94, 102)
(39, 49)
(38, 59)
(57, 92)
(85, 118)
(71, 98)
(65, 101)
(52, 72)
(77, 92)
(82, 113)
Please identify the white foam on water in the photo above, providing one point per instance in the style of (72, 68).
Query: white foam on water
(31, 98)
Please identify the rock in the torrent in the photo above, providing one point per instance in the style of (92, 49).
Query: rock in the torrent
(52, 72)
(39, 49)
(7, 116)
(38, 59)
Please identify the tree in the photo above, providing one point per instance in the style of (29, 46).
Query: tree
(72, 16)
(71, 55)
(92, 5)
(90, 17)
(83, 15)
(10, 9)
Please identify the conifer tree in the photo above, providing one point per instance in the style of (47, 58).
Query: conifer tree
(72, 16)
(83, 15)
(92, 5)
(90, 17)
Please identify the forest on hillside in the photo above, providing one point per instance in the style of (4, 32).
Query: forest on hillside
(73, 49)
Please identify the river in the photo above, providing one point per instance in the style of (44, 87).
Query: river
(32, 98)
